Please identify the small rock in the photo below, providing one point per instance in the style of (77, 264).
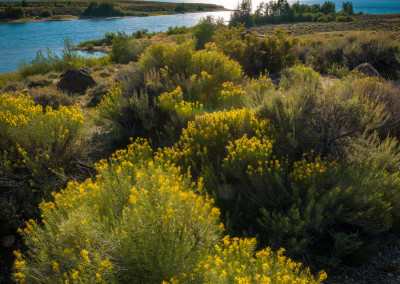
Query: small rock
(390, 274)
(367, 70)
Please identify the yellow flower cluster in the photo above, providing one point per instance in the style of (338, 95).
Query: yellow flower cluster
(209, 134)
(174, 101)
(304, 169)
(235, 261)
(33, 135)
(134, 207)
(231, 95)
(17, 111)
(249, 156)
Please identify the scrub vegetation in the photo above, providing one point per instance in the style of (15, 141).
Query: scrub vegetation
(216, 156)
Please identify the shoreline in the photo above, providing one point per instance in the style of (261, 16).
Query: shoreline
(76, 18)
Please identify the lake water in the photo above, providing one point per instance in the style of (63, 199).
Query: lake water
(22, 41)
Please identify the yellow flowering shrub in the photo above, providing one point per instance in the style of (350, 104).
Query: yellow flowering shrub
(205, 139)
(231, 96)
(234, 260)
(38, 148)
(137, 221)
(174, 101)
(258, 91)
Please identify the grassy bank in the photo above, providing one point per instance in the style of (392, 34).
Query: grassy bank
(386, 23)
(11, 11)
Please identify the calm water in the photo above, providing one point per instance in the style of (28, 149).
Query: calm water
(22, 41)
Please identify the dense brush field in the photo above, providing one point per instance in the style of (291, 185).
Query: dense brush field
(213, 157)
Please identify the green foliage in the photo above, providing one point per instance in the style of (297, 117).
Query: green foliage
(124, 49)
(347, 7)
(46, 14)
(177, 30)
(104, 9)
(205, 30)
(345, 19)
(351, 50)
(256, 54)
(309, 119)
(338, 71)
(14, 13)
(242, 14)
(156, 222)
(282, 12)
(39, 152)
(43, 64)
(180, 8)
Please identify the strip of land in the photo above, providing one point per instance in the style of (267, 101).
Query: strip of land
(34, 11)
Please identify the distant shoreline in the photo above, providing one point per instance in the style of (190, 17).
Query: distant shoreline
(76, 18)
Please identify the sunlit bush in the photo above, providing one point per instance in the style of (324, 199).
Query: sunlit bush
(39, 152)
(257, 55)
(235, 261)
(137, 221)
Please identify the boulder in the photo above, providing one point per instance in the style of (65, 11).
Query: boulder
(367, 70)
(76, 81)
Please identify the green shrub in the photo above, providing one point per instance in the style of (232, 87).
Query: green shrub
(154, 228)
(345, 19)
(125, 49)
(308, 17)
(377, 92)
(255, 54)
(177, 30)
(180, 8)
(323, 19)
(46, 14)
(309, 119)
(39, 152)
(205, 29)
(104, 9)
(14, 13)
(338, 71)
(51, 97)
(351, 50)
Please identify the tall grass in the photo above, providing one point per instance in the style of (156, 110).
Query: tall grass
(43, 64)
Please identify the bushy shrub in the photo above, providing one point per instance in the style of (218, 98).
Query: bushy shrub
(310, 119)
(124, 49)
(345, 19)
(235, 260)
(203, 143)
(377, 92)
(205, 29)
(104, 9)
(351, 50)
(140, 220)
(39, 151)
(14, 13)
(51, 97)
(164, 67)
(338, 71)
(46, 14)
(255, 54)
(137, 221)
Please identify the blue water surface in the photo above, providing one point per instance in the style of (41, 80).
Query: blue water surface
(22, 41)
